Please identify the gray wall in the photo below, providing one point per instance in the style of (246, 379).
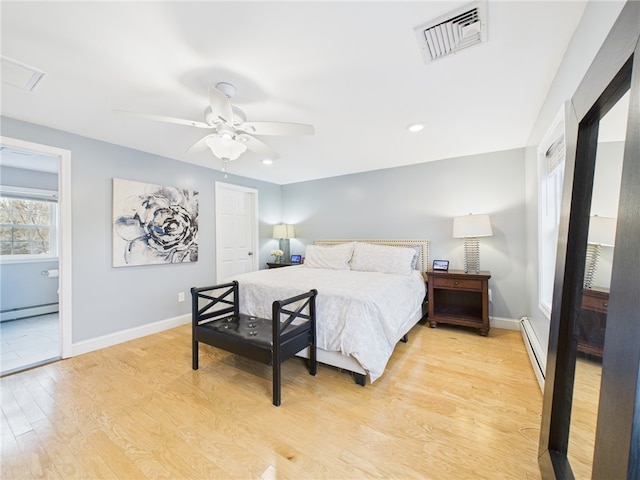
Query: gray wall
(23, 285)
(420, 201)
(106, 299)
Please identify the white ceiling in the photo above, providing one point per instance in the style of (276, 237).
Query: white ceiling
(351, 69)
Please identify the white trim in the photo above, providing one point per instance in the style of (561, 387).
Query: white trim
(64, 232)
(504, 323)
(13, 259)
(535, 351)
(546, 250)
(65, 239)
(122, 336)
(255, 227)
(36, 193)
(28, 312)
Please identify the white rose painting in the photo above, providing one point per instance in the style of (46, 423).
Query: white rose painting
(153, 224)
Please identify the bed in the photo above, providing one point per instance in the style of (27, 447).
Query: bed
(370, 295)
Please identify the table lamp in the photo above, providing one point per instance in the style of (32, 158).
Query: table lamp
(470, 227)
(284, 232)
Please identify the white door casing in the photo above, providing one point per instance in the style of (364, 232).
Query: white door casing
(64, 233)
(236, 230)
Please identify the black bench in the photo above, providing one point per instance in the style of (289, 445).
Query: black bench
(217, 321)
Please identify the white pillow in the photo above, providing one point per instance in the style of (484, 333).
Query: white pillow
(334, 257)
(368, 257)
(416, 257)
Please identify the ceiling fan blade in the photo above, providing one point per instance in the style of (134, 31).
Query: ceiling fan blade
(160, 118)
(200, 145)
(220, 105)
(257, 146)
(277, 128)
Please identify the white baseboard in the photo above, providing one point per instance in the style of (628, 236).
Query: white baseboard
(535, 351)
(126, 335)
(505, 323)
(28, 312)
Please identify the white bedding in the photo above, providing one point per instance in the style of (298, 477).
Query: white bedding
(362, 314)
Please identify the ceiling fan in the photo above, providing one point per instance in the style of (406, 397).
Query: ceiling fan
(232, 134)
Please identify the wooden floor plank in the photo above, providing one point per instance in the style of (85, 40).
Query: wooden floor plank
(451, 404)
(16, 420)
(36, 461)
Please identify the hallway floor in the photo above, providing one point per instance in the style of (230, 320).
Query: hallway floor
(29, 342)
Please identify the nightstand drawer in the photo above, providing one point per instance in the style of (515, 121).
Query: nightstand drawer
(454, 283)
(595, 303)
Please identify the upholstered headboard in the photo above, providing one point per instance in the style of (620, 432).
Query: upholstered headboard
(423, 259)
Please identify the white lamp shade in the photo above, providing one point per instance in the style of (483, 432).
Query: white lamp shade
(472, 226)
(602, 231)
(283, 231)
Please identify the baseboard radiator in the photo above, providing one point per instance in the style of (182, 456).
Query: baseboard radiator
(30, 311)
(535, 351)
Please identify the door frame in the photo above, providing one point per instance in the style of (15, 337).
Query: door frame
(254, 228)
(64, 233)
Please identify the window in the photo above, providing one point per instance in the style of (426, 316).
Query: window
(28, 223)
(551, 160)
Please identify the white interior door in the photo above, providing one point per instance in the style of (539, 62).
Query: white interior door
(236, 230)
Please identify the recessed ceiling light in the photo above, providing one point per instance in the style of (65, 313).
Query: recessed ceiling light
(267, 161)
(415, 127)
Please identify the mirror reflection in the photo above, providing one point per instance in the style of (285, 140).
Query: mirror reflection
(592, 318)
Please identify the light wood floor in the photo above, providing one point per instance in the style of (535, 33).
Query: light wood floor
(451, 405)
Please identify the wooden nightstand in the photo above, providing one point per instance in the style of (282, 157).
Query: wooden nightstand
(459, 298)
(279, 265)
(592, 321)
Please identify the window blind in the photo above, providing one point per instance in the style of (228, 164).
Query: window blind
(554, 155)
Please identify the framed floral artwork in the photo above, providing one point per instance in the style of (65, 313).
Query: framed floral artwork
(153, 224)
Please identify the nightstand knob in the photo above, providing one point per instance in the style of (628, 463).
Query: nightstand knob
(457, 282)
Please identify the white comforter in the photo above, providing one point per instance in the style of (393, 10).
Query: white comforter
(362, 314)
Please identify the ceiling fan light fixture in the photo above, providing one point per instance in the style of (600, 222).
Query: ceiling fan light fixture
(226, 88)
(230, 137)
(225, 148)
(267, 161)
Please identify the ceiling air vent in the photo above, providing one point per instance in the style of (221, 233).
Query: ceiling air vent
(451, 33)
(20, 75)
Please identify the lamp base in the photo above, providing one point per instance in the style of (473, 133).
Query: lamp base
(284, 246)
(471, 255)
(591, 265)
